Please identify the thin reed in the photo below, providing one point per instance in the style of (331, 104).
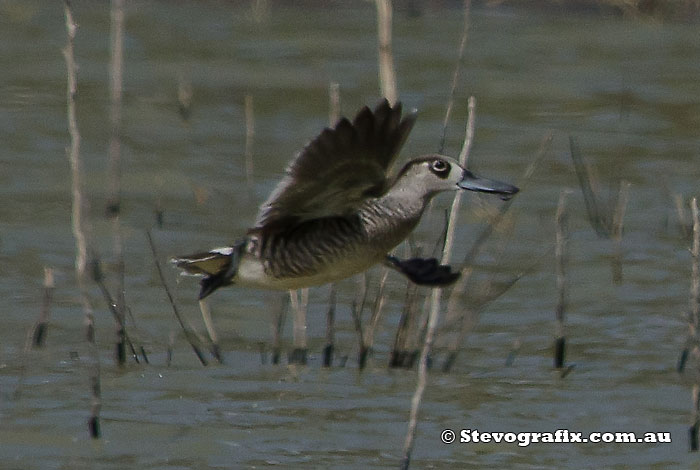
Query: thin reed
(617, 229)
(187, 330)
(387, 74)
(80, 225)
(694, 324)
(434, 315)
(455, 75)
(561, 255)
(249, 136)
(41, 326)
(329, 348)
(114, 203)
(299, 300)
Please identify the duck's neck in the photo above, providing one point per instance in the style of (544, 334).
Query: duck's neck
(387, 220)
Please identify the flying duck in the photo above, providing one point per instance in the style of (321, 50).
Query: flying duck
(337, 211)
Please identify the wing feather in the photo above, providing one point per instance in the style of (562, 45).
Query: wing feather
(339, 169)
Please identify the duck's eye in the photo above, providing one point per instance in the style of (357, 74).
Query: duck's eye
(440, 167)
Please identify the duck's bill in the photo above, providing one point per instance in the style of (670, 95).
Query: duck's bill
(473, 182)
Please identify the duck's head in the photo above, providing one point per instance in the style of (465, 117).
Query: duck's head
(431, 174)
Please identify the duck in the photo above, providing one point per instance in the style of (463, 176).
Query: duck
(340, 210)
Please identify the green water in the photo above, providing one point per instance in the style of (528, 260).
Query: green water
(626, 89)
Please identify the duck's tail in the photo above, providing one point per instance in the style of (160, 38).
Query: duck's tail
(218, 267)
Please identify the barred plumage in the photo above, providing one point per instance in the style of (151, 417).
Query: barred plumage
(337, 213)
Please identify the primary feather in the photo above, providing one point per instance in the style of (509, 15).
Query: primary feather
(339, 169)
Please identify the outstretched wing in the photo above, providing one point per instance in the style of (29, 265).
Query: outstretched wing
(339, 169)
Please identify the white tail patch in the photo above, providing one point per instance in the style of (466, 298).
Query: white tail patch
(204, 264)
(225, 250)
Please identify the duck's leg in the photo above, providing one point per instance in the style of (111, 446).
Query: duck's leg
(423, 271)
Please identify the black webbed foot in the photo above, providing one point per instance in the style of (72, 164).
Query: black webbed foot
(424, 271)
(212, 282)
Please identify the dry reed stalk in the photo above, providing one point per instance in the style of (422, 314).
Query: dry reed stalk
(462, 317)
(456, 314)
(171, 347)
(617, 224)
(597, 215)
(277, 328)
(333, 103)
(114, 201)
(693, 431)
(300, 301)
(377, 307)
(184, 96)
(249, 137)
(387, 74)
(42, 324)
(466, 319)
(80, 225)
(544, 147)
(695, 282)
(455, 75)
(681, 214)
(409, 334)
(329, 348)
(434, 315)
(436, 294)
(188, 331)
(401, 351)
(560, 250)
(694, 323)
(36, 335)
(115, 114)
(211, 330)
(366, 333)
(514, 350)
(125, 341)
(358, 306)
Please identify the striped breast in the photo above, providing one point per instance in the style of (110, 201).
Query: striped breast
(321, 250)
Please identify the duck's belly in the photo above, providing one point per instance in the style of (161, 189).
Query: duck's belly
(320, 251)
(252, 271)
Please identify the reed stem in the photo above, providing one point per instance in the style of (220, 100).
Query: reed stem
(114, 202)
(694, 322)
(80, 225)
(617, 224)
(211, 330)
(434, 315)
(387, 75)
(333, 103)
(329, 348)
(299, 300)
(455, 75)
(597, 215)
(184, 96)
(560, 250)
(249, 137)
(189, 335)
(277, 328)
(462, 320)
(42, 324)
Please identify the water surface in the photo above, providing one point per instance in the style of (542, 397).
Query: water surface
(626, 89)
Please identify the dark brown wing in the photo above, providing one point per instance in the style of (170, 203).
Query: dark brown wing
(339, 169)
